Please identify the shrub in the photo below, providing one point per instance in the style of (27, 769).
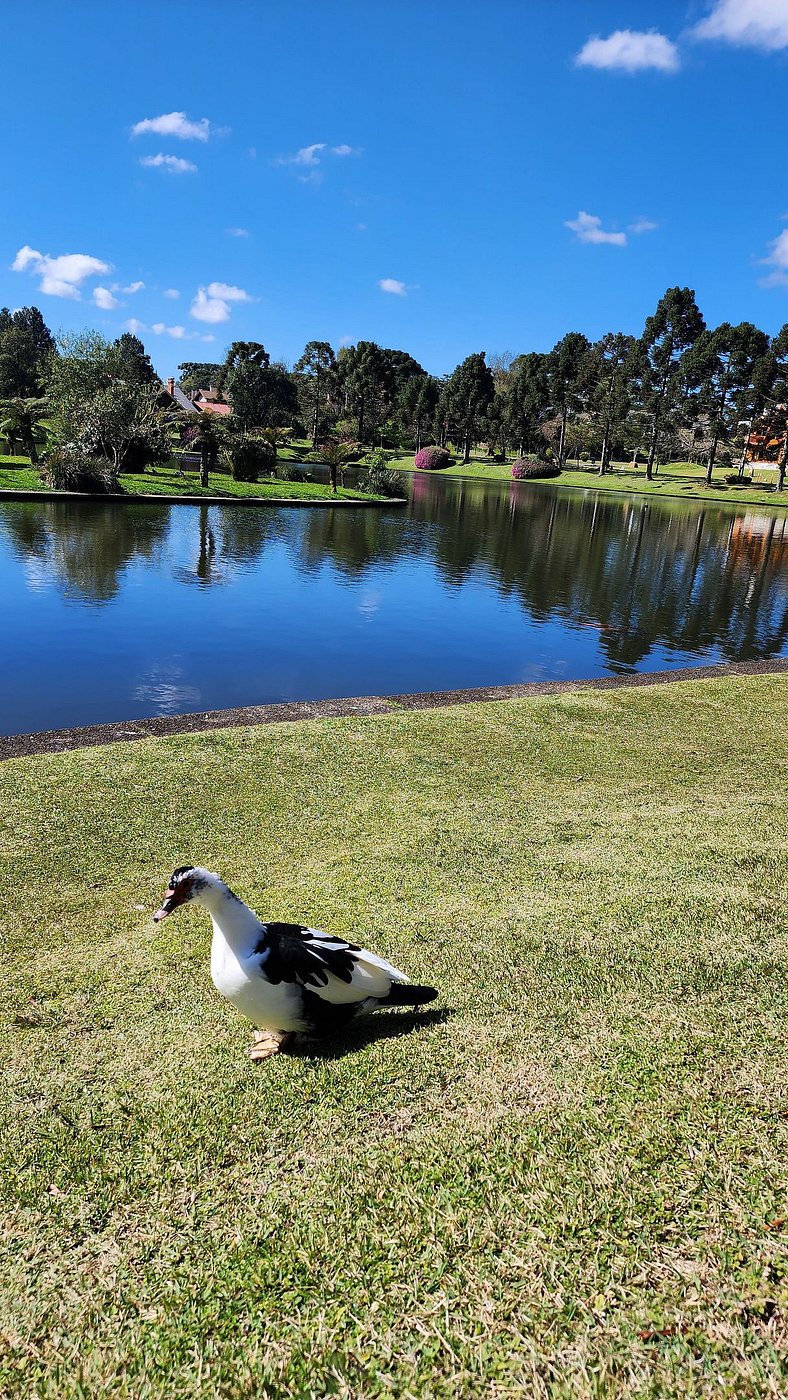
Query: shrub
(733, 479)
(527, 468)
(432, 459)
(379, 480)
(249, 458)
(69, 468)
(289, 471)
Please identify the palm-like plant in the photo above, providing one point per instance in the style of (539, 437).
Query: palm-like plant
(209, 438)
(335, 452)
(22, 419)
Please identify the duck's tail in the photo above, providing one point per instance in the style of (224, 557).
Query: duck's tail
(406, 994)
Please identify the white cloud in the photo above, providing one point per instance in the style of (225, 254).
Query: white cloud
(104, 300)
(308, 154)
(346, 340)
(172, 293)
(631, 51)
(136, 327)
(174, 165)
(221, 289)
(760, 24)
(174, 124)
(60, 277)
(311, 157)
(589, 230)
(777, 259)
(238, 232)
(211, 309)
(642, 225)
(390, 284)
(132, 288)
(212, 303)
(177, 332)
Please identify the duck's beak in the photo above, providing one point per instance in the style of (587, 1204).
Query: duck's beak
(171, 901)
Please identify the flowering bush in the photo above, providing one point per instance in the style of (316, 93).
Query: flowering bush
(432, 459)
(527, 467)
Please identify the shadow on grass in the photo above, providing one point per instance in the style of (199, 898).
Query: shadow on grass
(388, 1025)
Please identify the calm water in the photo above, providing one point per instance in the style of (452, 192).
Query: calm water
(112, 612)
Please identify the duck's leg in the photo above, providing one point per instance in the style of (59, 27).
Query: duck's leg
(267, 1043)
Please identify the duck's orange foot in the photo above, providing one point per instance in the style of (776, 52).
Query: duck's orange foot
(268, 1043)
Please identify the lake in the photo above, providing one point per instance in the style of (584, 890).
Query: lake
(121, 611)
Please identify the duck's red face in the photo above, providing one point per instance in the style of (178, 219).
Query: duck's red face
(179, 891)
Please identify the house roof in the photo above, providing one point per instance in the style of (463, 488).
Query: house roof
(221, 409)
(183, 401)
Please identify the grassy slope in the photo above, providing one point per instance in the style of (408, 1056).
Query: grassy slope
(167, 482)
(563, 1184)
(674, 479)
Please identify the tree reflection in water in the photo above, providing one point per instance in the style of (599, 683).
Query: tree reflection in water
(639, 571)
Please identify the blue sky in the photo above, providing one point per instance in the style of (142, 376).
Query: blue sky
(442, 176)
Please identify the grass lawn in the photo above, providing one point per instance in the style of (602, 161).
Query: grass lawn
(168, 482)
(568, 1180)
(673, 479)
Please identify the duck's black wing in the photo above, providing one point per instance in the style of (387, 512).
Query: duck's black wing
(332, 969)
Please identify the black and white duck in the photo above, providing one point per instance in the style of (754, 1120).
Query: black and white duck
(284, 977)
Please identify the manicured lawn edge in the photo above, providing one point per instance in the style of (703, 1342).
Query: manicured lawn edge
(614, 483)
(158, 726)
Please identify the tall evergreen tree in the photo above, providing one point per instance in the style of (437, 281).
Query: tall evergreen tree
(133, 364)
(317, 365)
(415, 407)
(469, 394)
(777, 400)
(527, 398)
(240, 353)
(566, 380)
(669, 334)
(27, 348)
(365, 379)
(721, 366)
(611, 372)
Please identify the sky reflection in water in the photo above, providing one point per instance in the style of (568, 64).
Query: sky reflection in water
(114, 612)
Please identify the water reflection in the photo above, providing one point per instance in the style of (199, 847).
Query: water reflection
(83, 552)
(476, 583)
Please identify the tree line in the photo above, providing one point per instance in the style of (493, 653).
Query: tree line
(679, 390)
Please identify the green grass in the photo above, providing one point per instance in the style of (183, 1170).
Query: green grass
(684, 479)
(567, 1182)
(166, 481)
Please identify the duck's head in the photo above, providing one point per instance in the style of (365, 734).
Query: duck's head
(186, 883)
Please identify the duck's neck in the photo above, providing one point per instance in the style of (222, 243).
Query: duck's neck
(234, 923)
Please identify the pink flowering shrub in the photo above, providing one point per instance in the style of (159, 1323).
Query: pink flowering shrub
(431, 459)
(526, 468)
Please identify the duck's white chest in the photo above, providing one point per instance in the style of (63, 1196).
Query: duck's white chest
(271, 1006)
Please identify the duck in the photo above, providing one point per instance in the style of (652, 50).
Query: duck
(286, 978)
